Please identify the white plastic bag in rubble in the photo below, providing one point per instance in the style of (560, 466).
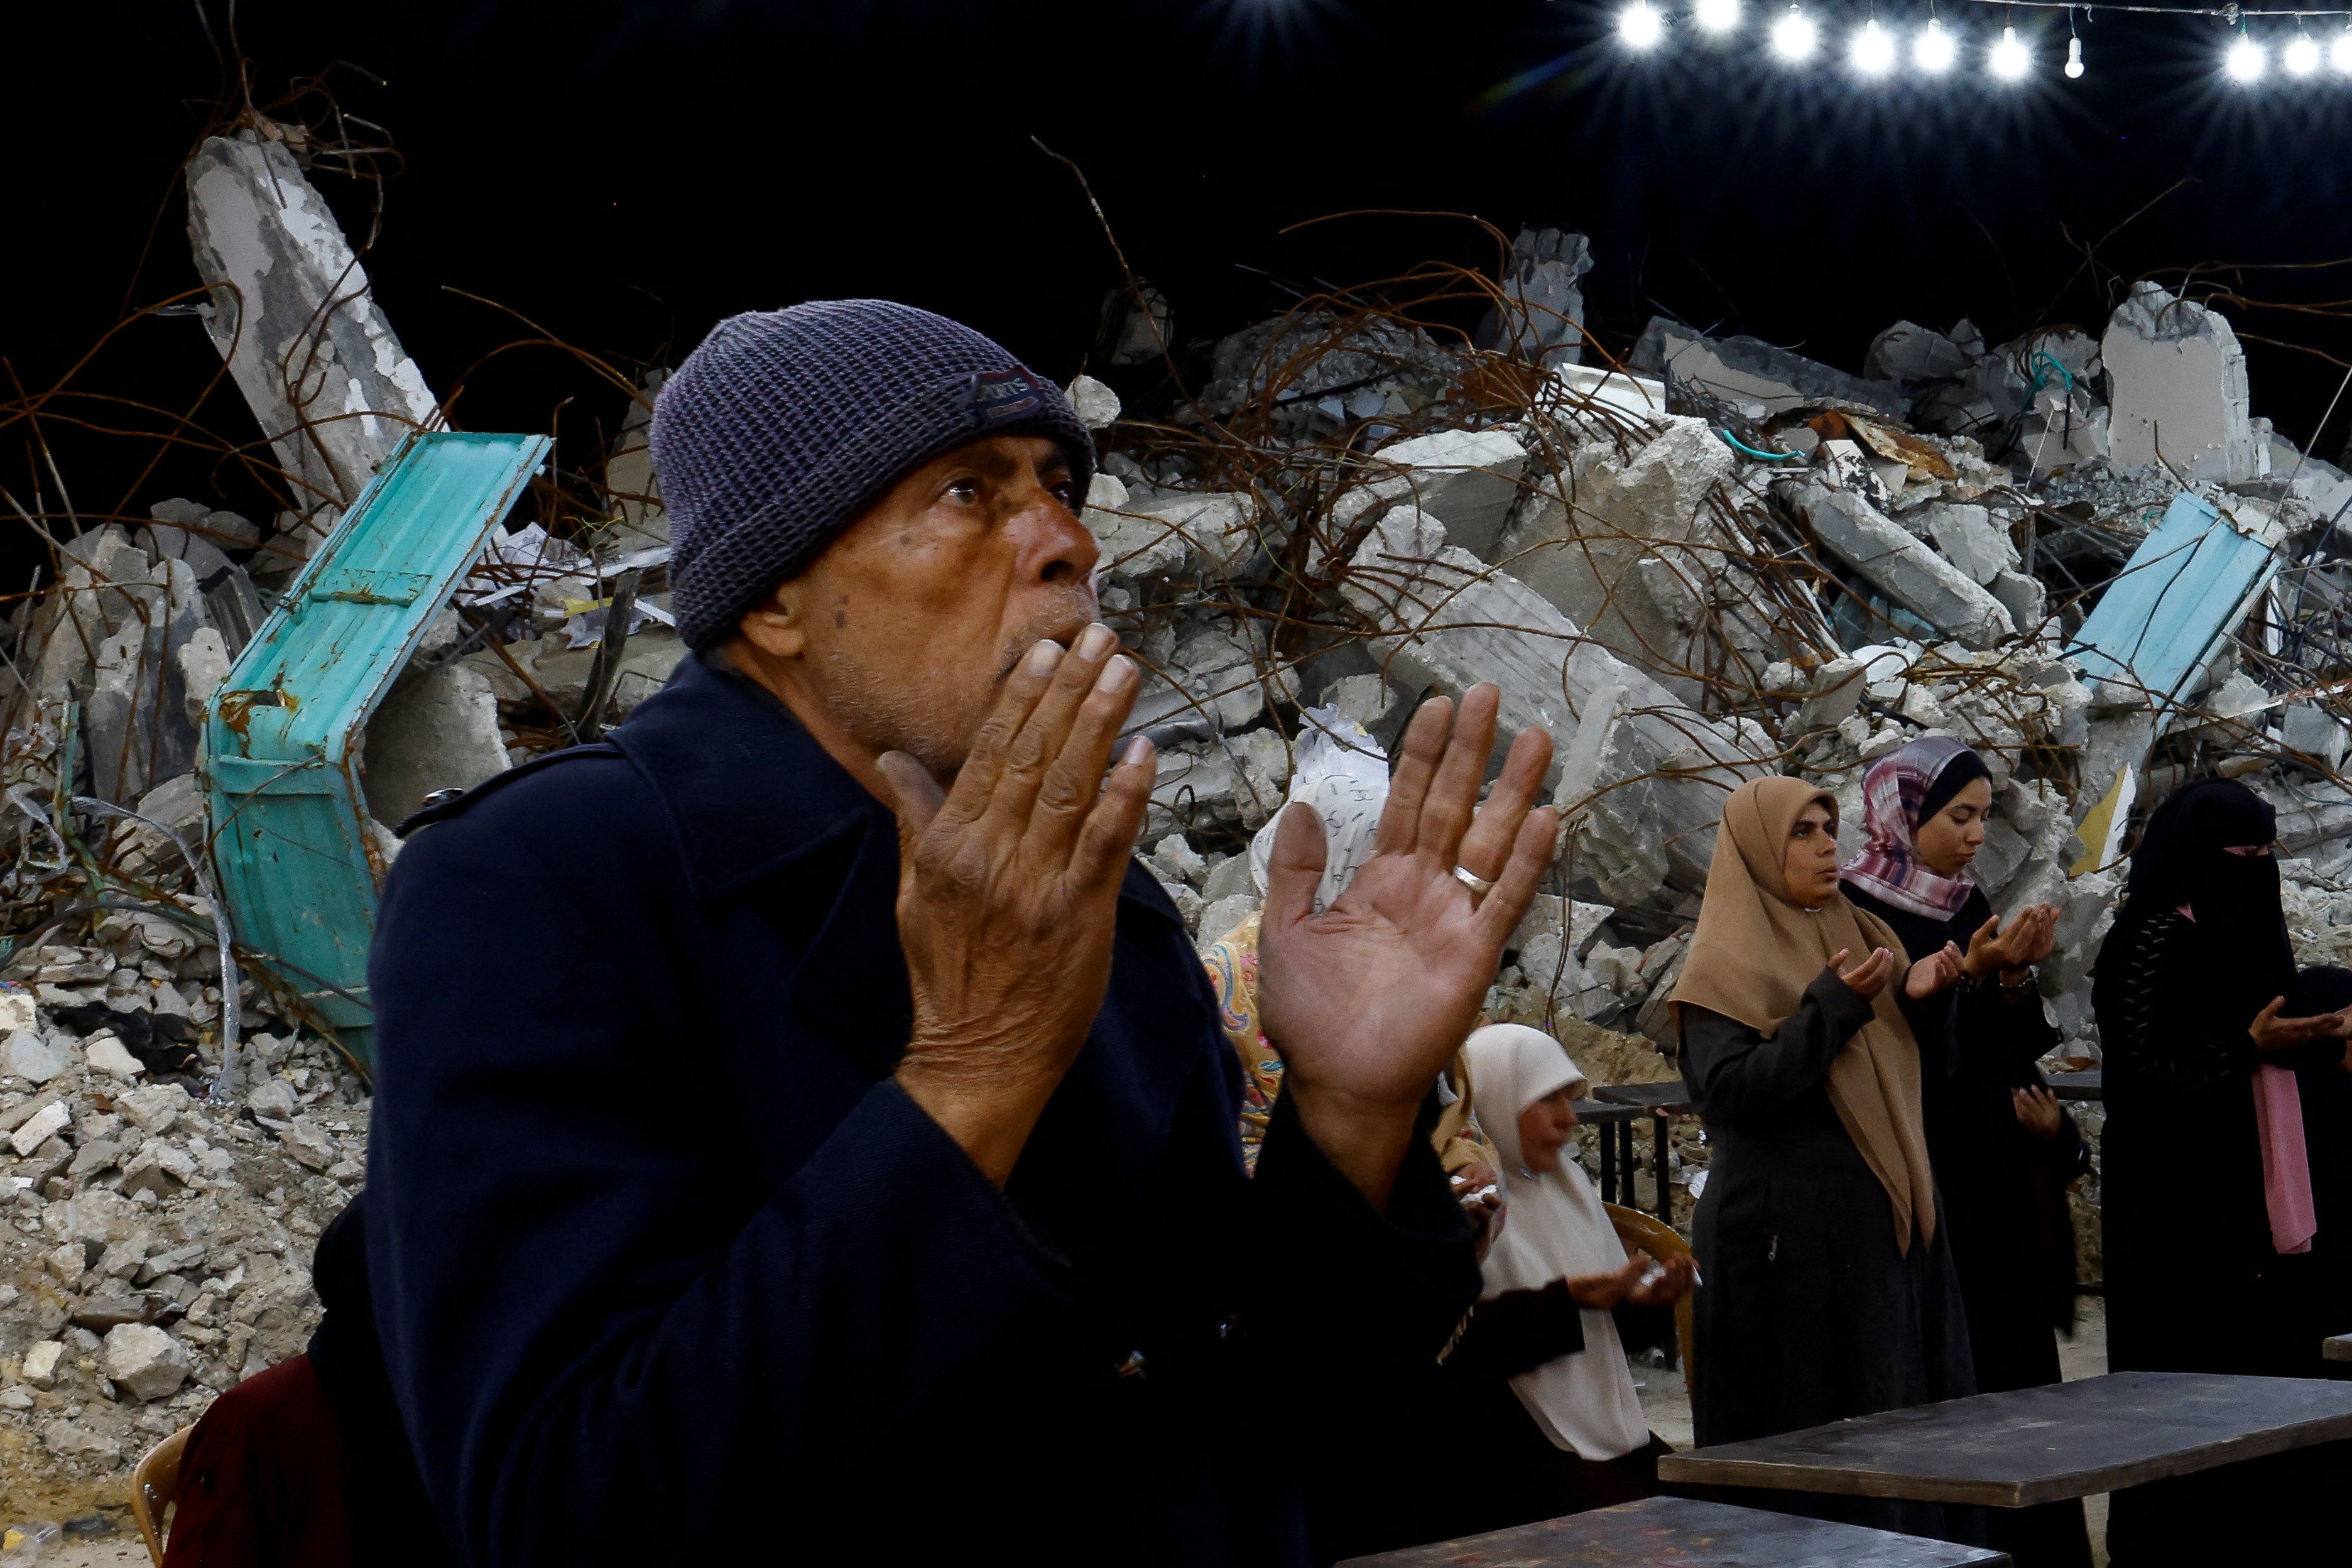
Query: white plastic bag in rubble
(1340, 770)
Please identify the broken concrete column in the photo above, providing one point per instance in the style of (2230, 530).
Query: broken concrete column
(437, 730)
(1650, 773)
(134, 716)
(1544, 322)
(1750, 370)
(2179, 385)
(291, 312)
(1969, 541)
(1898, 564)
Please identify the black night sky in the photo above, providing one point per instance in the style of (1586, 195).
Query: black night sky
(623, 172)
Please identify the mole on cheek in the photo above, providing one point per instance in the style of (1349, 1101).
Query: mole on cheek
(840, 617)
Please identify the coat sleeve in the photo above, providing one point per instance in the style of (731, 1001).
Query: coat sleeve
(573, 1317)
(1343, 1286)
(1517, 1330)
(1735, 1073)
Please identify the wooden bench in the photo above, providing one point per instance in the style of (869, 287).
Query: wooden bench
(1686, 1534)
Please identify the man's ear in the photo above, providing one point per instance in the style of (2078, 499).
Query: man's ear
(777, 627)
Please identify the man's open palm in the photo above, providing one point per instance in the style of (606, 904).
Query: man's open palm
(1369, 1000)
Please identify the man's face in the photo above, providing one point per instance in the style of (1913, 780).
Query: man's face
(904, 628)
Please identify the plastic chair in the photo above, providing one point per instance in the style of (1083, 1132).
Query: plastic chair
(152, 1486)
(1661, 1241)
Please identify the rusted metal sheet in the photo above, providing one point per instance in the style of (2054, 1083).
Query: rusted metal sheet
(282, 736)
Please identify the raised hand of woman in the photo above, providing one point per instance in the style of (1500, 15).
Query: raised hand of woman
(2273, 1033)
(1869, 977)
(1603, 1291)
(2037, 1111)
(1933, 972)
(2032, 932)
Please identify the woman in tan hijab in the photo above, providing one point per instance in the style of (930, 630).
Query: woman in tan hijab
(1828, 1288)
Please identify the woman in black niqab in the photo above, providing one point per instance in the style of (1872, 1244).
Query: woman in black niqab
(2204, 1270)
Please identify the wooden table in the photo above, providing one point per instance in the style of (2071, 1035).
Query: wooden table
(2037, 1445)
(1660, 1101)
(2338, 1347)
(1661, 1529)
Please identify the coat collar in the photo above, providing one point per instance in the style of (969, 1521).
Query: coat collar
(747, 788)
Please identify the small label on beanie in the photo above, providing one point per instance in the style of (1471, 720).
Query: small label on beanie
(1004, 396)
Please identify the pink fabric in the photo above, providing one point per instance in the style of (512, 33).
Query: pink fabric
(2286, 1169)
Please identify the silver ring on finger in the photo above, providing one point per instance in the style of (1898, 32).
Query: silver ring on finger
(1472, 880)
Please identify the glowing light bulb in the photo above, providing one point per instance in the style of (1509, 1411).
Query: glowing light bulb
(2245, 60)
(2010, 59)
(2300, 58)
(1639, 27)
(2074, 58)
(1716, 15)
(1933, 53)
(1872, 51)
(2339, 52)
(1794, 36)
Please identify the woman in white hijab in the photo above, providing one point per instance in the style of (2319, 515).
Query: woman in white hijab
(1538, 1363)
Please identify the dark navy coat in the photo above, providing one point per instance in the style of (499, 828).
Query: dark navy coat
(663, 1260)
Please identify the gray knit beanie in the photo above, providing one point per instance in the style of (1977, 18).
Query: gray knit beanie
(785, 424)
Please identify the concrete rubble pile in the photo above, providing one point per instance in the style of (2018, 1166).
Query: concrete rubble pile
(1719, 560)
(1713, 561)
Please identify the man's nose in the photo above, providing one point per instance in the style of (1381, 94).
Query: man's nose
(1055, 547)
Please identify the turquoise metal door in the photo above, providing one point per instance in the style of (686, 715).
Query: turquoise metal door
(281, 736)
(2186, 586)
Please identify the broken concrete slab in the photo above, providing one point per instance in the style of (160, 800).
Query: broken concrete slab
(291, 312)
(144, 1361)
(1909, 351)
(1662, 770)
(437, 730)
(1468, 479)
(1898, 564)
(1750, 370)
(2179, 388)
(1969, 541)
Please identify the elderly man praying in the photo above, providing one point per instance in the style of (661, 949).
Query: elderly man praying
(803, 1130)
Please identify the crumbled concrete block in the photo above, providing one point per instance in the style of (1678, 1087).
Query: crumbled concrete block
(1835, 691)
(1096, 406)
(17, 1010)
(2180, 383)
(1364, 698)
(275, 1098)
(1177, 861)
(154, 1108)
(1749, 369)
(120, 1260)
(70, 1440)
(41, 1363)
(144, 1361)
(309, 1143)
(1467, 478)
(2316, 733)
(161, 1168)
(109, 1054)
(29, 1055)
(44, 1124)
(2022, 596)
(1969, 539)
(1544, 322)
(110, 1309)
(1909, 351)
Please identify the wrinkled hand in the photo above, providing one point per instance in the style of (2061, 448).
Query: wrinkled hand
(2032, 932)
(1368, 1000)
(2037, 1111)
(1933, 972)
(2273, 1033)
(1008, 887)
(1869, 977)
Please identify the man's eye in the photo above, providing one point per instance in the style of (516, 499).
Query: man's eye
(964, 490)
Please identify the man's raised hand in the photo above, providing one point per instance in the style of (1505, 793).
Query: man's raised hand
(1368, 1000)
(1008, 893)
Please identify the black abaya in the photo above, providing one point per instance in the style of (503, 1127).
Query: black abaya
(2004, 1197)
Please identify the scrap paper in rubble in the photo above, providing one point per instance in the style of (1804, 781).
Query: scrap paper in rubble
(1343, 774)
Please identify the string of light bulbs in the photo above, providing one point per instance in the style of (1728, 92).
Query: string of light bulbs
(1875, 51)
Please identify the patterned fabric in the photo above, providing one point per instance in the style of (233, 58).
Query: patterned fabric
(1231, 962)
(784, 425)
(1891, 794)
